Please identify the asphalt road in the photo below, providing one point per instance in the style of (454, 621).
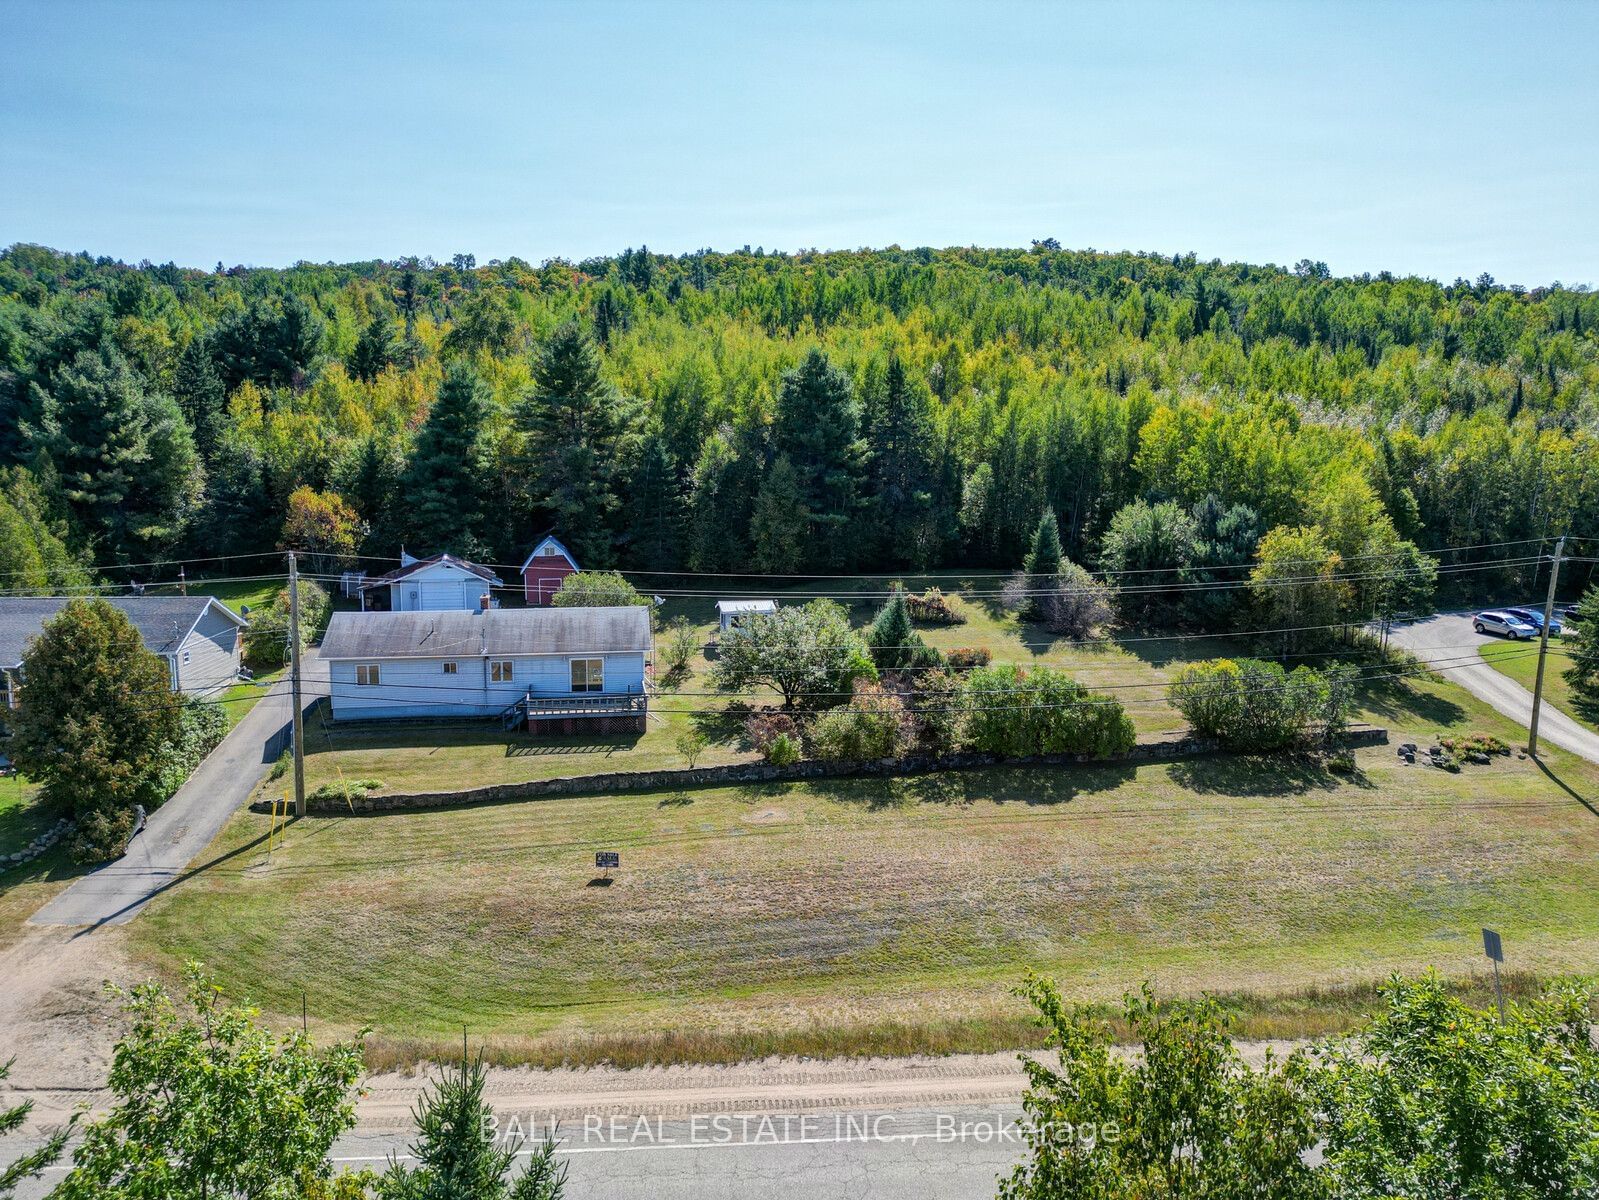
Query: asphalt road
(934, 1154)
(183, 827)
(1447, 640)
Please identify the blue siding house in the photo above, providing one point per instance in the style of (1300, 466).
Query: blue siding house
(550, 669)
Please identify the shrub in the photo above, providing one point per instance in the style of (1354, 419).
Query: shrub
(783, 751)
(934, 710)
(280, 768)
(204, 725)
(691, 744)
(761, 729)
(266, 639)
(874, 724)
(1071, 603)
(345, 789)
(678, 646)
(932, 607)
(101, 834)
(1247, 704)
(596, 589)
(1043, 711)
(968, 658)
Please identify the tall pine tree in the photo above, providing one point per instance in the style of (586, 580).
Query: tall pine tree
(818, 428)
(902, 442)
(124, 458)
(200, 395)
(579, 434)
(442, 483)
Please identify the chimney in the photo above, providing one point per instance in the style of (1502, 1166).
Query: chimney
(483, 602)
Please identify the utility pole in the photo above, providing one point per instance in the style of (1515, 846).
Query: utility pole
(294, 686)
(1543, 648)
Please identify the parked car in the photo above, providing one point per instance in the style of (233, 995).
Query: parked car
(1500, 622)
(1534, 617)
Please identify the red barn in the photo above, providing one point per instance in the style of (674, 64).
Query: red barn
(544, 569)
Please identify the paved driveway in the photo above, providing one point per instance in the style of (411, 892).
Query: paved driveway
(184, 826)
(1449, 641)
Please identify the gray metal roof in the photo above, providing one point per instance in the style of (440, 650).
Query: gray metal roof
(162, 621)
(422, 564)
(500, 631)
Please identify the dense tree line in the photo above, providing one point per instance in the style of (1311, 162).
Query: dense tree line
(873, 410)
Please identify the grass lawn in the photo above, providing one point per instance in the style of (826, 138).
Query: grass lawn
(1513, 659)
(449, 758)
(862, 915)
(24, 889)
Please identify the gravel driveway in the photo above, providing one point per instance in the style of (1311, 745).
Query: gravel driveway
(1446, 640)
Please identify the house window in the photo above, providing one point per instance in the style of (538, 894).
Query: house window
(501, 672)
(185, 658)
(449, 668)
(588, 674)
(366, 675)
(548, 552)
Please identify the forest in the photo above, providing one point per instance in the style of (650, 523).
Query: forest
(804, 414)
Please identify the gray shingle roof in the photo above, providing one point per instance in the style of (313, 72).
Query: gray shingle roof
(161, 620)
(500, 631)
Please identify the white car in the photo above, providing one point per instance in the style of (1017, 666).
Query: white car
(1504, 625)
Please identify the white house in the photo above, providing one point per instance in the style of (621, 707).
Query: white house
(561, 669)
(730, 612)
(433, 584)
(198, 636)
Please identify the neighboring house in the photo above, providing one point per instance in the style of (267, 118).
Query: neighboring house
(435, 584)
(544, 570)
(197, 635)
(554, 669)
(731, 612)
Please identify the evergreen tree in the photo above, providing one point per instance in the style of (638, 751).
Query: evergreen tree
(818, 428)
(579, 434)
(269, 343)
(124, 459)
(230, 520)
(1043, 559)
(719, 506)
(375, 350)
(779, 526)
(198, 390)
(457, 1155)
(892, 639)
(447, 466)
(901, 441)
(1583, 673)
(370, 479)
(656, 504)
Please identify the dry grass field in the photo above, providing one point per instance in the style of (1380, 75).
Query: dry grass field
(862, 915)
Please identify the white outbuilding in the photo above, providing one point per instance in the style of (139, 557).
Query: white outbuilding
(731, 612)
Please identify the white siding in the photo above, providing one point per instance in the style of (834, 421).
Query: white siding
(208, 660)
(441, 586)
(418, 687)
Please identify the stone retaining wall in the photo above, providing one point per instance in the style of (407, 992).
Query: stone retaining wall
(760, 772)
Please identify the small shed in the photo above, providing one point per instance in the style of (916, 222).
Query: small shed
(545, 569)
(731, 612)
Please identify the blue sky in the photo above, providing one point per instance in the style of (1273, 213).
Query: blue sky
(1444, 139)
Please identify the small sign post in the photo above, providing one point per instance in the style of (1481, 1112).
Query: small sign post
(606, 859)
(1495, 949)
